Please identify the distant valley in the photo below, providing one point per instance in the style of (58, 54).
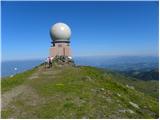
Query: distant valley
(144, 68)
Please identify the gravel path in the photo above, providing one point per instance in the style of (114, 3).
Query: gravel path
(8, 96)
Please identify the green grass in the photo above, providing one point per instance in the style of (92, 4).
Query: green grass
(150, 88)
(83, 92)
(8, 83)
(6, 113)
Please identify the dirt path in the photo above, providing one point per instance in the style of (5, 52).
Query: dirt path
(9, 95)
(24, 89)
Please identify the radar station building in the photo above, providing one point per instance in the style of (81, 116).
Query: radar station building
(60, 35)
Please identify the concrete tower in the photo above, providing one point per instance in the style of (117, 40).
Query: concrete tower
(60, 34)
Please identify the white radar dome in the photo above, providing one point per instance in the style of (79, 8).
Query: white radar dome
(60, 32)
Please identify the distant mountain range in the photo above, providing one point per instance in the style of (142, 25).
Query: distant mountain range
(143, 75)
(144, 68)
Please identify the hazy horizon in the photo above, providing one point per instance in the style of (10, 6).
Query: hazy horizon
(3, 60)
(118, 63)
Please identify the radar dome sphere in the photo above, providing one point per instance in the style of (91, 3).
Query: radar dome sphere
(60, 32)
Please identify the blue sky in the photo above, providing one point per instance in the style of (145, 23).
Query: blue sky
(98, 28)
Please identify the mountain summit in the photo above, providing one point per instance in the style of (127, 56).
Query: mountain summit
(69, 91)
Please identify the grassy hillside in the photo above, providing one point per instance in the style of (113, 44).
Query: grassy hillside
(74, 92)
(150, 87)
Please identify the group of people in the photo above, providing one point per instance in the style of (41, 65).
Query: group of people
(48, 61)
